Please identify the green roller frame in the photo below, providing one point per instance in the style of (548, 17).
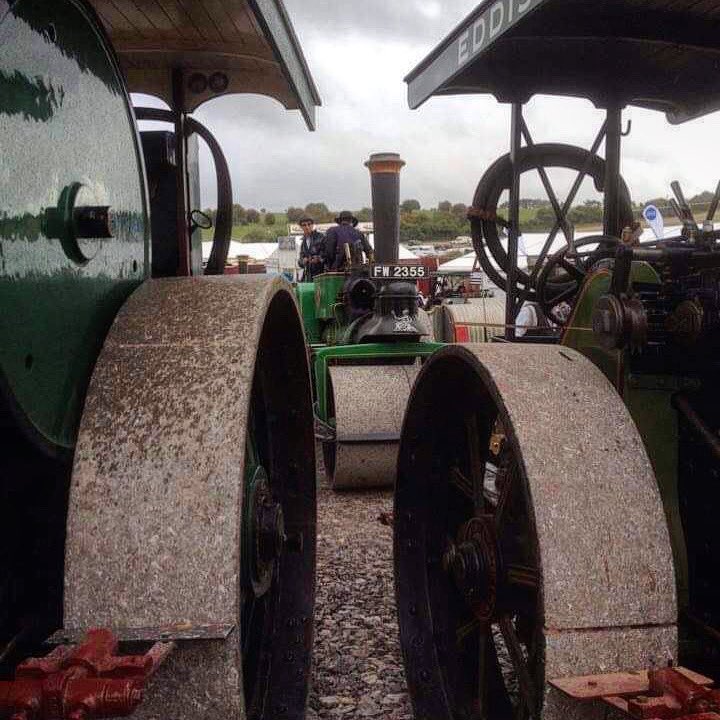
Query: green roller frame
(371, 353)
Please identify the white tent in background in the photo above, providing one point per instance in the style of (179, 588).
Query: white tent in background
(268, 252)
(403, 254)
(257, 251)
(532, 243)
(465, 263)
(462, 264)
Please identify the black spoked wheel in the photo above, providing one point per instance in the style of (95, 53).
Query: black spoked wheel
(467, 565)
(489, 228)
(505, 582)
(278, 543)
(563, 274)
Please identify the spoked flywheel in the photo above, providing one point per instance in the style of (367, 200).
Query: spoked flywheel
(524, 521)
(489, 226)
(193, 496)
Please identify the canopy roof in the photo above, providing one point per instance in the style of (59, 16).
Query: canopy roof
(248, 45)
(657, 54)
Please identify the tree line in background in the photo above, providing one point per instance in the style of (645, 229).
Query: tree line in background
(417, 225)
(542, 216)
(445, 222)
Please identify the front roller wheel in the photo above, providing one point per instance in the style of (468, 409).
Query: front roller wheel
(367, 404)
(193, 494)
(530, 539)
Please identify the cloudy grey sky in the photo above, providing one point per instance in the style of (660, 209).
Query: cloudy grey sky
(358, 53)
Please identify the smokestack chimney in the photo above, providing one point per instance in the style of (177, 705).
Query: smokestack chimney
(385, 179)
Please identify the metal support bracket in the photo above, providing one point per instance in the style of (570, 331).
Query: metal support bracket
(159, 633)
(324, 432)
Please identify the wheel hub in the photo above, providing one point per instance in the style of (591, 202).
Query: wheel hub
(264, 531)
(474, 563)
(270, 529)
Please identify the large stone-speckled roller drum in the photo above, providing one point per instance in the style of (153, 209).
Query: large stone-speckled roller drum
(368, 403)
(193, 494)
(530, 537)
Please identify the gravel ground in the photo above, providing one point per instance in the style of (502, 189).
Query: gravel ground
(358, 668)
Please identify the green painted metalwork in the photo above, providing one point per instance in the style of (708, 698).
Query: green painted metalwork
(67, 130)
(579, 333)
(648, 398)
(323, 321)
(305, 293)
(371, 353)
(328, 287)
(656, 420)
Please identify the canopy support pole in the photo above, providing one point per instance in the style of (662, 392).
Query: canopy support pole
(611, 218)
(511, 309)
(182, 194)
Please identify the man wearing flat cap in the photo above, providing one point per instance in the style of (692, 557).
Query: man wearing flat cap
(345, 244)
(312, 250)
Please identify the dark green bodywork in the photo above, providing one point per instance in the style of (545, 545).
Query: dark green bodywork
(305, 293)
(65, 119)
(328, 287)
(647, 397)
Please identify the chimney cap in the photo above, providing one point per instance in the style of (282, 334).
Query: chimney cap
(387, 162)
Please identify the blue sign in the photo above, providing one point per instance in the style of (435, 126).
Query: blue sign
(654, 219)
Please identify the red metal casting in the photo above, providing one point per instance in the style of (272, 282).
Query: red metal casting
(667, 694)
(81, 682)
(672, 695)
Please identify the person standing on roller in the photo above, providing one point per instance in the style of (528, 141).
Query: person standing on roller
(345, 244)
(312, 250)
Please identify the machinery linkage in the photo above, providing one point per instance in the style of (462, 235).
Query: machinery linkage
(88, 677)
(81, 682)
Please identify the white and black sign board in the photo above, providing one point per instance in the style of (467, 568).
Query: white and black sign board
(399, 272)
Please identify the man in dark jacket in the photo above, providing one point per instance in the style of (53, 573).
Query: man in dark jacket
(312, 250)
(345, 244)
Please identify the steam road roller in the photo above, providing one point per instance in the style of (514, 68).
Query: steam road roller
(556, 543)
(367, 338)
(157, 518)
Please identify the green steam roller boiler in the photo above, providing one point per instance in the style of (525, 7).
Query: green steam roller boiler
(152, 480)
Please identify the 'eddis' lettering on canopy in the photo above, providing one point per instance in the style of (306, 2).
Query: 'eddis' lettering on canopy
(496, 19)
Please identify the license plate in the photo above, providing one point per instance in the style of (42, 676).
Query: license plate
(399, 272)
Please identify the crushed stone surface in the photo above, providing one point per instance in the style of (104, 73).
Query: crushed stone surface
(358, 670)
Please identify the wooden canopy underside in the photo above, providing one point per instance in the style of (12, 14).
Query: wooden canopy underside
(251, 42)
